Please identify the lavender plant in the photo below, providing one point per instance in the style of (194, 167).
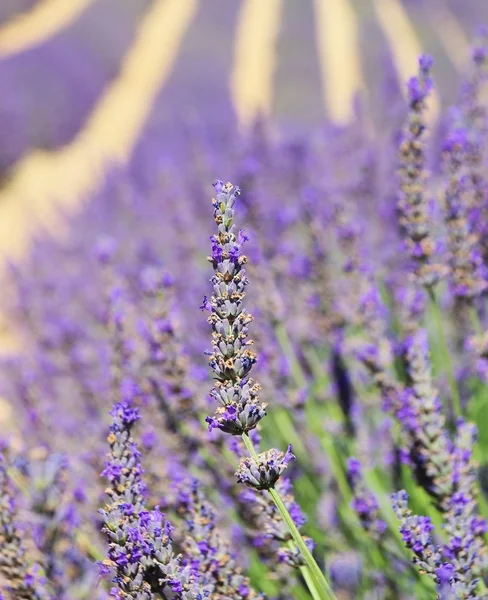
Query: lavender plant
(140, 550)
(467, 269)
(414, 206)
(207, 550)
(23, 580)
(232, 361)
(356, 333)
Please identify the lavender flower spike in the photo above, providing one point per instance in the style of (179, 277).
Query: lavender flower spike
(65, 565)
(466, 548)
(231, 358)
(140, 548)
(423, 423)
(364, 502)
(206, 545)
(232, 361)
(14, 568)
(413, 205)
(263, 472)
(416, 533)
(473, 115)
(467, 271)
(445, 469)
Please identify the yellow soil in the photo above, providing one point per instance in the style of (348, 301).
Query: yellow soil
(339, 54)
(255, 58)
(45, 19)
(44, 181)
(450, 33)
(404, 45)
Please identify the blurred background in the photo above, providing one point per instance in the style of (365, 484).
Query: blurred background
(85, 84)
(98, 96)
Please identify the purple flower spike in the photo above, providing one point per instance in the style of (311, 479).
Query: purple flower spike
(262, 473)
(471, 117)
(445, 469)
(364, 503)
(416, 533)
(139, 540)
(413, 205)
(207, 548)
(231, 358)
(57, 521)
(468, 273)
(18, 577)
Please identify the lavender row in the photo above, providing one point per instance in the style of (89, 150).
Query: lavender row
(340, 454)
(49, 90)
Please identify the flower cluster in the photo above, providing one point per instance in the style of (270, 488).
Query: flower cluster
(466, 548)
(207, 551)
(472, 115)
(468, 273)
(420, 414)
(364, 502)
(413, 205)
(140, 548)
(445, 469)
(232, 358)
(417, 534)
(22, 580)
(56, 523)
(166, 356)
(165, 371)
(263, 472)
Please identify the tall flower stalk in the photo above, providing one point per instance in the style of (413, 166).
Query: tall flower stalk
(467, 270)
(206, 545)
(140, 552)
(232, 359)
(473, 114)
(445, 468)
(414, 206)
(18, 576)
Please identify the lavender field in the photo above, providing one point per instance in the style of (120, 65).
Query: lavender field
(244, 320)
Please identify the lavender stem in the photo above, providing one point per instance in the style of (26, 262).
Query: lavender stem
(324, 589)
(308, 580)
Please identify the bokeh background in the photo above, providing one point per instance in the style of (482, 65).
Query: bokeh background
(95, 94)
(85, 84)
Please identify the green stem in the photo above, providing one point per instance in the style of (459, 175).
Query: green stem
(323, 587)
(446, 355)
(310, 583)
(305, 572)
(322, 584)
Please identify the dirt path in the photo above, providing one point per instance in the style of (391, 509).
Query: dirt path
(39, 24)
(45, 181)
(404, 45)
(338, 48)
(255, 58)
